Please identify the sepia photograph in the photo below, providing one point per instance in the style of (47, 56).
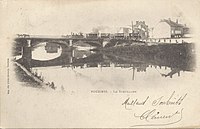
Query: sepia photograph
(100, 63)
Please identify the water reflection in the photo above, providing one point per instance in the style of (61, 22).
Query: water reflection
(46, 51)
(166, 60)
(175, 57)
(120, 67)
(102, 61)
(112, 66)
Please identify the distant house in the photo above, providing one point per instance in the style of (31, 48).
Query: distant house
(126, 31)
(140, 30)
(123, 32)
(170, 29)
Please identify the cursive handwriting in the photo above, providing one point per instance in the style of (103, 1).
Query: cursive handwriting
(160, 111)
(155, 118)
(172, 100)
(132, 102)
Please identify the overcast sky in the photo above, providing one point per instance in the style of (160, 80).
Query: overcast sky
(55, 17)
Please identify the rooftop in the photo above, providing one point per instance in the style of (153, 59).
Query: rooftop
(172, 23)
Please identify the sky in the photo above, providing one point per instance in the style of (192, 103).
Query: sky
(57, 17)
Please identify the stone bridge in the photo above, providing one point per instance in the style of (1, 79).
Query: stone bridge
(66, 57)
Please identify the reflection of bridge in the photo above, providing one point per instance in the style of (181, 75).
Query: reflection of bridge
(28, 42)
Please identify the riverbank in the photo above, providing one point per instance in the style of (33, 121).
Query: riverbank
(23, 75)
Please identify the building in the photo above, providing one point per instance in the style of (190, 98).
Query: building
(167, 28)
(140, 30)
(122, 33)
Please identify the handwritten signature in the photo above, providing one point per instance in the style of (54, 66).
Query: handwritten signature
(172, 100)
(128, 102)
(154, 117)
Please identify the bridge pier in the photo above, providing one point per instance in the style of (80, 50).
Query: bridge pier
(133, 76)
(27, 55)
(72, 51)
(72, 56)
(70, 42)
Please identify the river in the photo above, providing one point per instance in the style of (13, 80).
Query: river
(94, 70)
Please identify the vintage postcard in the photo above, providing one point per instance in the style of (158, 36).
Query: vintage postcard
(100, 63)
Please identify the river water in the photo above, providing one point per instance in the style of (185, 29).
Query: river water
(94, 70)
(86, 89)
